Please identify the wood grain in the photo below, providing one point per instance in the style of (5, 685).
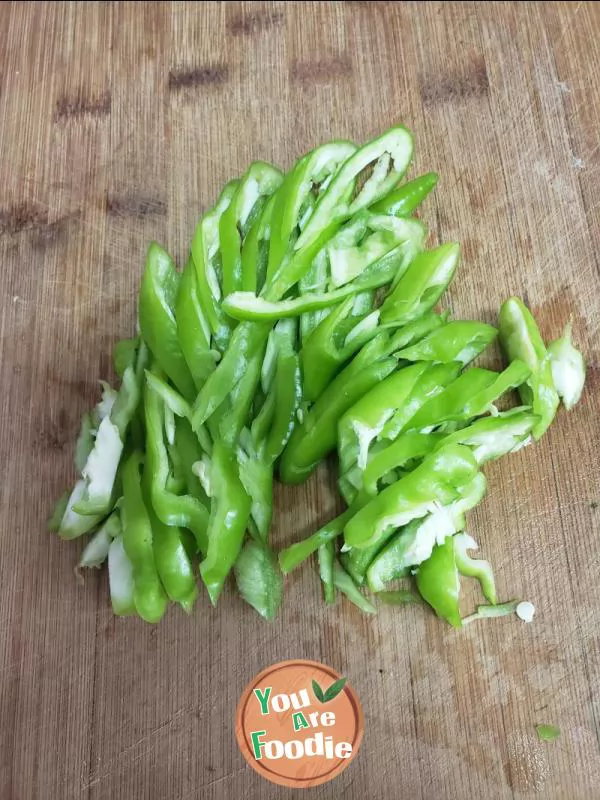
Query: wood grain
(119, 123)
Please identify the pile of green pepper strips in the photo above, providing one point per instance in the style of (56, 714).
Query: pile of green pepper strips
(303, 321)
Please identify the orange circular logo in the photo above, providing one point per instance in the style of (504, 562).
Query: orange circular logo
(299, 723)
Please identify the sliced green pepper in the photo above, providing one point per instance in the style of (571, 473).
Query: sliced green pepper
(206, 257)
(120, 579)
(437, 479)
(230, 511)
(431, 384)
(193, 331)
(316, 435)
(414, 543)
(346, 585)
(363, 421)
(258, 579)
(474, 567)
(568, 368)
(520, 338)
(405, 199)
(259, 182)
(422, 285)
(460, 340)
(298, 552)
(438, 583)
(149, 597)
(326, 555)
(392, 149)
(492, 437)
(177, 510)
(158, 295)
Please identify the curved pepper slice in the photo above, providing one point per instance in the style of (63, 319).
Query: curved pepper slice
(157, 298)
(520, 338)
(460, 341)
(258, 183)
(414, 543)
(298, 552)
(438, 583)
(316, 435)
(205, 255)
(230, 511)
(255, 249)
(258, 579)
(405, 199)
(568, 368)
(431, 384)
(492, 437)
(326, 558)
(178, 510)
(391, 152)
(422, 285)
(363, 421)
(437, 479)
(311, 173)
(149, 597)
(193, 330)
(474, 567)
(346, 585)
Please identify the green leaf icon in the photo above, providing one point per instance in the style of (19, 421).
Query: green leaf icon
(332, 692)
(335, 689)
(318, 692)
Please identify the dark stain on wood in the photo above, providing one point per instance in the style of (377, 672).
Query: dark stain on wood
(23, 216)
(320, 71)
(133, 205)
(455, 87)
(209, 75)
(82, 106)
(250, 24)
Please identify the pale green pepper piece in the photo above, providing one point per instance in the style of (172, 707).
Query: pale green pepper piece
(568, 368)
(520, 338)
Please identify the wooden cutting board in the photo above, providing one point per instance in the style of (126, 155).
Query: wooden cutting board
(118, 124)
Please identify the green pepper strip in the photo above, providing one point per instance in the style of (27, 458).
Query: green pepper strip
(346, 585)
(230, 511)
(395, 145)
(461, 341)
(520, 338)
(474, 567)
(414, 543)
(258, 579)
(363, 421)
(317, 433)
(120, 579)
(205, 253)
(172, 561)
(298, 552)
(158, 295)
(261, 180)
(407, 447)
(149, 596)
(178, 510)
(438, 583)
(432, 383)
(492, 437)
(193, 331)
(255, 250)
(326, 555)
(405, 199)
(437, 479)
(423, 283)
